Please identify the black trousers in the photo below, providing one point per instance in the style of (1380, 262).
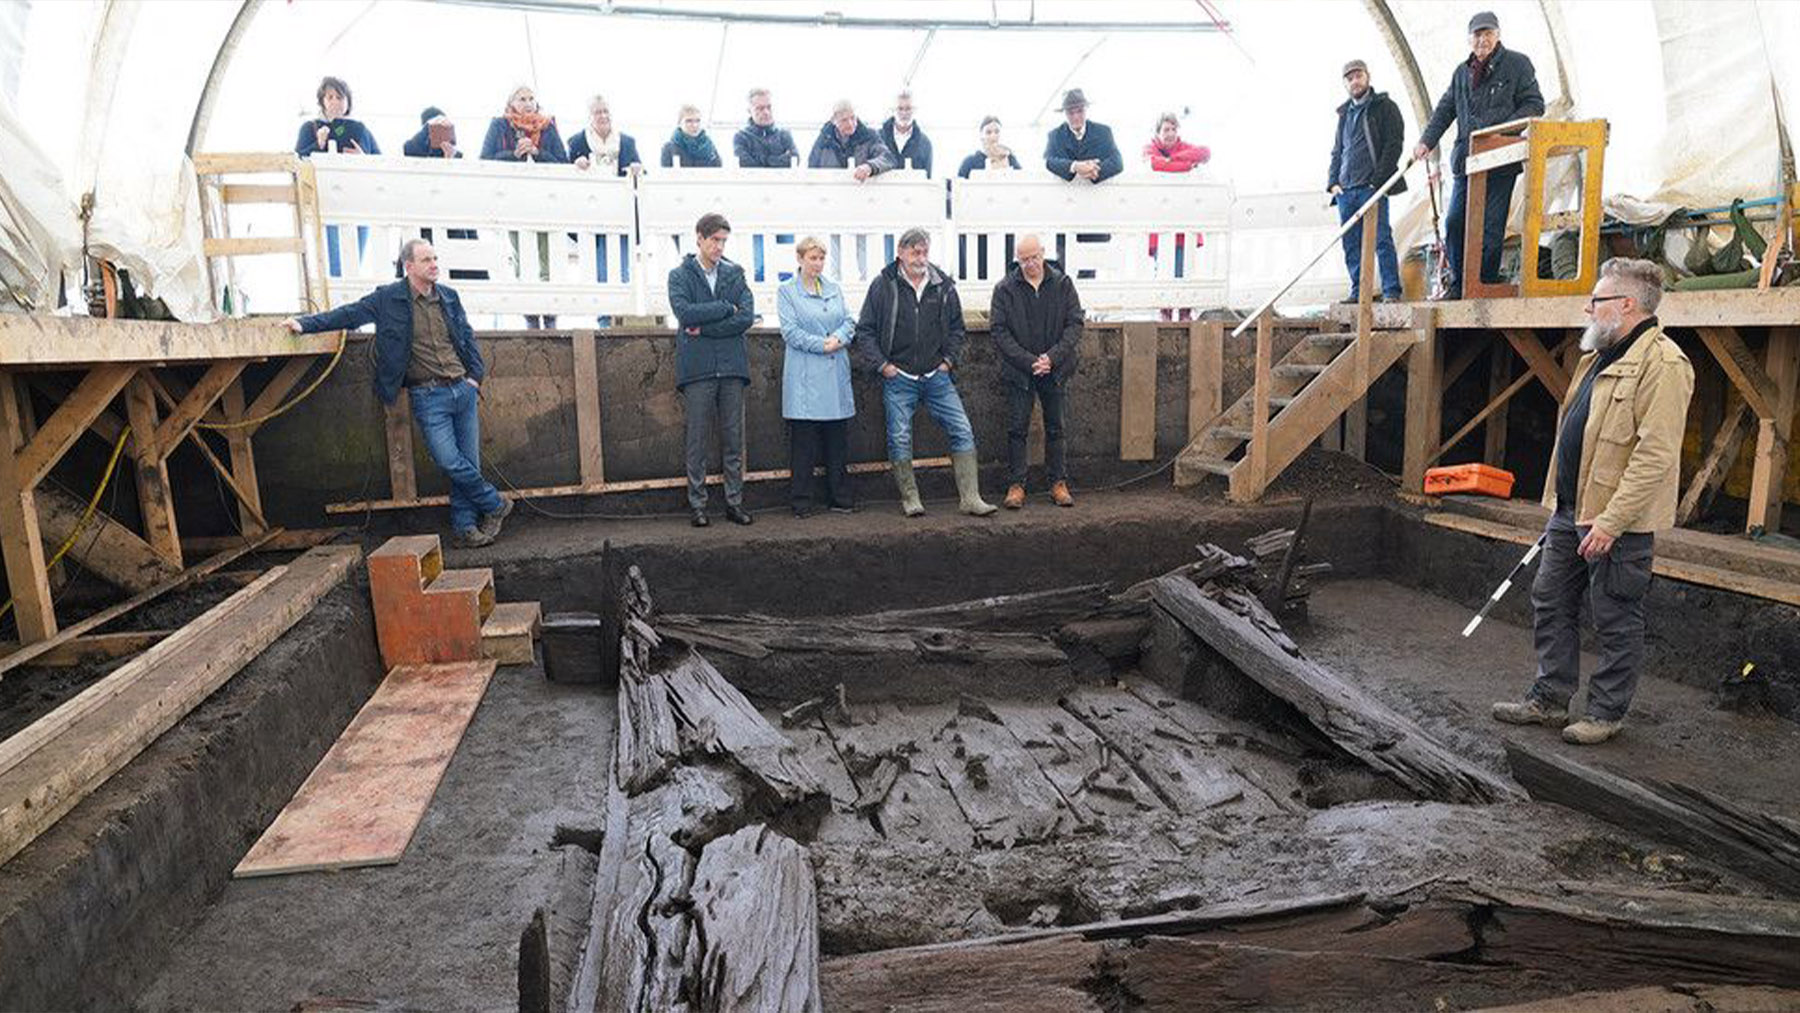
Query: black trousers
(811, 443)
(1049, 393)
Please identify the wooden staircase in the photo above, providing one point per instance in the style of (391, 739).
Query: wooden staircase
(1299, 396)
(425, 614)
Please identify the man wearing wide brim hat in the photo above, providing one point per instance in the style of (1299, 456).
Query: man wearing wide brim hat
(1494, 85)
(1080, 149)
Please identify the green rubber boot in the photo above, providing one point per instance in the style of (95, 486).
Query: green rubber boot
(968, 485)
(909, 489)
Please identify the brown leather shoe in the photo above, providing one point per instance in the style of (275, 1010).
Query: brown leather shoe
(1015, 498)
(1060, 493)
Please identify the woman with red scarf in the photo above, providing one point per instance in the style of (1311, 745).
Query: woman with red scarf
(523, 134)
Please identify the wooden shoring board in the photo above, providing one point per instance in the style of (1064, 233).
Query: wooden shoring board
(243, 460)
(1768, 478)
(403, 484)
(1741, 367)
(156, 500)
(1720, 456)
(1137, 392)
(1206, 374)
(105, 548)
(1424, 404)
(1541, 360)
(62, 771)
(587, 407)
(98, 647)
(362, 803)
(1683, 570)
(607, 488)
(27, 579)
(106, 615)
(73, 415)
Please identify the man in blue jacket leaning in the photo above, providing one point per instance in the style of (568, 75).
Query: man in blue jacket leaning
(713, 307)
(1494, 85)
(423, 343)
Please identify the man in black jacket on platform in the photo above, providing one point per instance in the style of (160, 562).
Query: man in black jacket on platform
(1494, 85)
(1366, 152)
(1036, 321)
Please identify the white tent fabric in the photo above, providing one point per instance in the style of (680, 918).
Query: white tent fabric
(39, 232)
(108, 88)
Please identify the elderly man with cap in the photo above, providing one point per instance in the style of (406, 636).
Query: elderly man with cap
(1494, 85)
(1080, 148)
(1365, 152)
(1615, 470)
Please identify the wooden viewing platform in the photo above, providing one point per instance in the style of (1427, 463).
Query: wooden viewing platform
(82, 365)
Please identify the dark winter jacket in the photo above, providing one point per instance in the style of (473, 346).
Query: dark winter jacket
(940, 308)
(863, 147)
(978, 161)
(1018, 343)
(696, 152)
(502, 140)
(1509, 91)
(1382, 136)
(628, 152)
(768, 147)
(419, 146)
(343, 131)
(1096, 141)
(717, 351)
(918, 146)
(389, 308)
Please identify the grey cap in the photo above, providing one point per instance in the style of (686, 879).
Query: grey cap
(1073, 98)
(1485, 19)
(1355, 65)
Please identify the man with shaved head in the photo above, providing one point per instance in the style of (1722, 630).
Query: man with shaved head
(1035, 319)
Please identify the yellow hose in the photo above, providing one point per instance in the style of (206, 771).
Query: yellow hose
(87, 514)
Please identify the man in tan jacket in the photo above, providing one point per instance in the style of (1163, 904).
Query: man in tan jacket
(1614, 475)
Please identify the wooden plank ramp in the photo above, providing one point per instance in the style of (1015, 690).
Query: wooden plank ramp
(59, 760)
(361, 804)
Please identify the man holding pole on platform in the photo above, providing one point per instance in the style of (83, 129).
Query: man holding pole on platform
(1615, 472)
(1370, 134)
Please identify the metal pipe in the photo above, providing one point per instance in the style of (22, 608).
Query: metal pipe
(919, 24)
(1335, 240)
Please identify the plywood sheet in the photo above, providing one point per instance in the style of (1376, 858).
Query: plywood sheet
(363, 801)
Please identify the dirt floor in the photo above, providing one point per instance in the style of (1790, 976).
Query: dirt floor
(441, 929)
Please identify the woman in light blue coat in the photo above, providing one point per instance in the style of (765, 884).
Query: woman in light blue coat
(815, 379)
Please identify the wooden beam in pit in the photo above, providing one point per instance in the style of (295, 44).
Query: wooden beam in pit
(1720, 456)
(587, 407)
(402, 482)
(188, 411)
(1206, 374)
(243, 459)
(106, 548)
(98, 647)
(71, 418)
(1740, 364)
(1424, 405)
(1542, 362)
(1768, 478)
(1492, 407)
(36, 340)
(1137, 392)
(20, 539)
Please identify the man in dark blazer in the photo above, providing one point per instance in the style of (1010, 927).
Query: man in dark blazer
(424, 344)
(1494, 85)
(1365, 152)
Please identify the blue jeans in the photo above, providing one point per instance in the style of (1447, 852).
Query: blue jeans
(600, 272)
(1493, 224)
(1348, 201)
(334, 253)
(901, 396)
(447, 416)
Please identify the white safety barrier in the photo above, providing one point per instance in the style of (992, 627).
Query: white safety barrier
(554, 240)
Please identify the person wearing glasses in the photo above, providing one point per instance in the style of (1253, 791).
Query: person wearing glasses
(1615, 471)
(1035, 319)
(1494, 85)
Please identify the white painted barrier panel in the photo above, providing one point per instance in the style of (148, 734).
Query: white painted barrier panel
(1133, 242)
(1271, 236)
(511, 238)
(770, 210)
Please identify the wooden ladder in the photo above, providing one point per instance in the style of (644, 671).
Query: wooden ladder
(298, 190)
(1299, 397)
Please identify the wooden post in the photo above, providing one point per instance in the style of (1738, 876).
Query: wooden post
(402, 484)
(156, 501)
(1499, 375)
(1206, 375)
(243, 461)
(587, 407)
(1137, 393)
(1768, 480)
(1424, 403)
(1356, 419)
(1256, 469)
(19, 535)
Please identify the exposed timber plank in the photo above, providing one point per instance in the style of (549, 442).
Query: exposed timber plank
(37, 340)
(43, 786)
(94, 647)
(755, 907)
(27, 654)
(1720, 457)
(156, 500)
(362, 803)
(1740, 365)
(587, 408)
(1768, 477)
(70, 419)
(107, 549)
(403, 484)
(1774, 307)
(196, 403)
(1238, 627)
(1541, 360)
(1137, 392)
(1424, 405)
(20, 540)
(1206, 374)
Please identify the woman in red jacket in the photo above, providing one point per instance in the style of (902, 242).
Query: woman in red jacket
(1167, 152)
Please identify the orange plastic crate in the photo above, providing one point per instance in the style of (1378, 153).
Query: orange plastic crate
(1476, 478)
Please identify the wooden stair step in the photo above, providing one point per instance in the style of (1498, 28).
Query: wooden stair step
(403, 554)
(507, 635)
(1209, 464)
(1332, 337)
(478, 581)
(1280, 400)
(1232, 432)
(1308, 369)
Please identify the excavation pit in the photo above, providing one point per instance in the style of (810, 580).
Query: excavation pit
(1209, 834)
